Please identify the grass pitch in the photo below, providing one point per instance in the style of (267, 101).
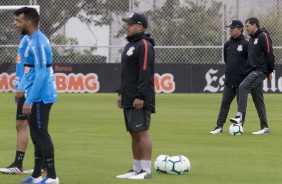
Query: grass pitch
(92, 146)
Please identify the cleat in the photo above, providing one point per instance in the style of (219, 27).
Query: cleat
(237, 120)
(262, 131)
(50, 181)
(217, 130)
(32, 180)
(126, 175)
(141, 176)
(12, 169)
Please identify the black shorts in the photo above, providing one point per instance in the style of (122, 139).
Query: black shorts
(137, 120)
(19, 114)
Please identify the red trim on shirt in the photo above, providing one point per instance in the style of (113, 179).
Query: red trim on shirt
(267, 43)
(145, 54)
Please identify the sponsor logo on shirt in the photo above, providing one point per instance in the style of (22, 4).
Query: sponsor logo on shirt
(18, 58)
(240, 48)
(256, 41)
(130, 51)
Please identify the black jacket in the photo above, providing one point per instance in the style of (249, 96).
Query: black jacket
(137, 71)
(235, 58)
(260, 53)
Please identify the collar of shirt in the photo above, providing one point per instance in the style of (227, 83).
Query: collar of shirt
(34, 34)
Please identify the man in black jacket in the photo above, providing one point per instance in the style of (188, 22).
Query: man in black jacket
(137, 94)
(235, 58)
(260, 66)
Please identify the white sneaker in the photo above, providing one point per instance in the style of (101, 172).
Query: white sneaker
(262, 131)
(217, 130)
(141, 175)
(237, 120)
(11, 170)
(50, 181)
(32, 180)
(126, 175)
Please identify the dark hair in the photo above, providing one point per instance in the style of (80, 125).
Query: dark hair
(252, 21)
(29, 13)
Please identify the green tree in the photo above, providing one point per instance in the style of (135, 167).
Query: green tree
(193, 25)
(173, 24)
(54, 15)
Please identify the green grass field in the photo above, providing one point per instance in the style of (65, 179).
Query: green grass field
(92, 146)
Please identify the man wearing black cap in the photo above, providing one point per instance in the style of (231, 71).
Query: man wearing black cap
(137, 94)
(260, 66)
(235, 58)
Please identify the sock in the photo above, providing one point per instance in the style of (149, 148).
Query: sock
(136, 165)
(146, 165)
(51, 173)
(37, 167)
(240, 114)
(19, 159)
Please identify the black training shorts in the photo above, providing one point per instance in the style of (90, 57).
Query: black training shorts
(19, 114)
(137, 120)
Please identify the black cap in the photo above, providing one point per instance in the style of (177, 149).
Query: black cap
(137, 18)
(235, 23)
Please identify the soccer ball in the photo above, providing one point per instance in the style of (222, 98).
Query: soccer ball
(236, 129)
(186, 163)
(175, 165)
(160, 163)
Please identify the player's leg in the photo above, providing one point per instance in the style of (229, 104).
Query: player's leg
(36, 174)
(140, 124)
(143, 144)
(257, 95)
(136, 153)
(22, 140)
(137, 123)
(22, 134)
(46, 144)
(250, 82)
(43, 144)
(237, 99)
(229, 94)
(136, 166)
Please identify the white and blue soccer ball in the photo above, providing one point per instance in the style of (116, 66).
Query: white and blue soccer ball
(175, 165)
(186, 163)
(236, 129)
(160, 163)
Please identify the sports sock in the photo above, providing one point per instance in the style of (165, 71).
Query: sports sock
(136, 165)
(51, 173)
(240, 114)
(146, 165)
(19, 159)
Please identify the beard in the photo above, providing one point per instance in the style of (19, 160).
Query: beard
(24, 31)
